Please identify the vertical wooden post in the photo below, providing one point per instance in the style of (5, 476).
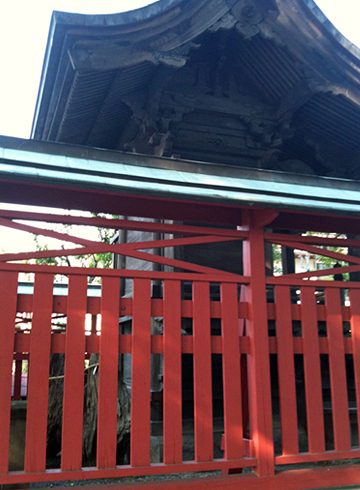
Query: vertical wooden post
(38, 385)
(233, 420)
(8, 297)
(354, 296)
(312, 371)
(172, 373)
(203, 410)
(73, 405)
(258, 360)
(286, 370)
(140, 373)
(108, 373)
(339, 393)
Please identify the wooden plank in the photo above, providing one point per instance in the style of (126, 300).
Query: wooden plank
(317, 457)
(312, 372)
(354, 296)
(93, 307)
(293, 281)
(338, 381)
(299, 479)
(172, 373)
(117, 224)
(203, 416)
(258, 362)
(8, 293)
(127, 273)
(126, 471)
(38, 379)
(140, 374)
(296, 312)
(73, 403)
(108, 374)
(313, 240)
(286, 371)
(233, 423)
(319, 251)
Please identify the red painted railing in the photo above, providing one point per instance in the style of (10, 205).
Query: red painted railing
(284, 340)
(40, 341)
(330, 367)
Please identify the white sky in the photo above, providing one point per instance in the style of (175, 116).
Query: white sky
(24, 26)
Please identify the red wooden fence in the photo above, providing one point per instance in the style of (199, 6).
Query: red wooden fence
(41, 341)
(273, 356)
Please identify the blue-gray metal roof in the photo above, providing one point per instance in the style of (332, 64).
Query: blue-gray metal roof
(125, 173)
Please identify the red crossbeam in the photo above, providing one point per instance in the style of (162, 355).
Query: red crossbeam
(121, 224)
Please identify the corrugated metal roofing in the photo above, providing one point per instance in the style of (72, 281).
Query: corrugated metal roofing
(86, 97)
(114, 113)
(332, 118)
(270, 67)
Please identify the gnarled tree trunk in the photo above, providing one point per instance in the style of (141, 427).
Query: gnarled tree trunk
(55, 409)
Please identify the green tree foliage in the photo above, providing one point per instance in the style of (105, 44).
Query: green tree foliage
(328, 262)
(96, 260)
(321, 260)
(47, 260)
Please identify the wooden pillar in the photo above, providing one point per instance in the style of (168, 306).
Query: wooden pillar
(258, 360)
(354, 276)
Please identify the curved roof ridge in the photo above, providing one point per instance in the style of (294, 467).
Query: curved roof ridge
(329, 26)
(316, 34)
(116, 19)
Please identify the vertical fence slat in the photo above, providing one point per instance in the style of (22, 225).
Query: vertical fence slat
(231, 372)
(258, 361)
(8, 298)
(38, 387)
(108, 373)
(140, 374)
(73, 404)
(354, 296)
(339, 394)
(203, 423)
(172, 373)
(312, 372)
(286, 371)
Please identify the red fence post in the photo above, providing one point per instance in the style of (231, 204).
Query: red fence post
(233, 417)
(172, 373)
(108, 374)
(286, 371)
(354, 296)
(203, 415)
(312, 371)
(140, 374)
(258, 360)
(8, 296)
(339, 393)
(38, 385)
(73, 404)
